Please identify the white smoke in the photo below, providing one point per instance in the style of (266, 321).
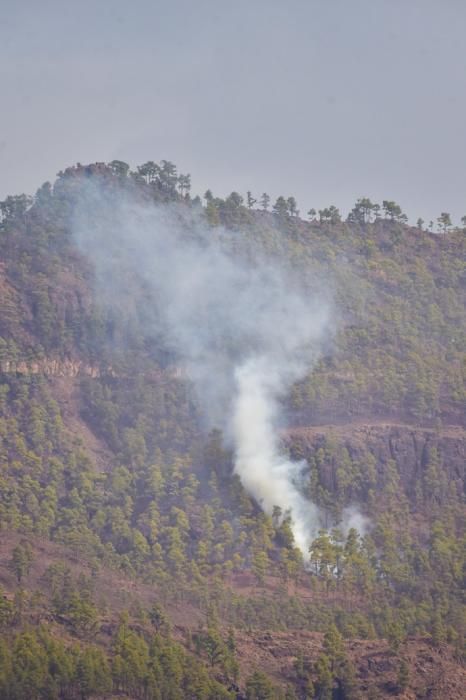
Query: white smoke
(268, 475)
(353, 518)
(244, 328)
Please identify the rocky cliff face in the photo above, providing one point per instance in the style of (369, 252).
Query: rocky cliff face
(51, 368)
(54, 367)
(412, 448)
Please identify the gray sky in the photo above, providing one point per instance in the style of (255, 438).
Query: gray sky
(326, 100)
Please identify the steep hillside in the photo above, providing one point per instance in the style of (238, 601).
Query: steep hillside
(133, 562)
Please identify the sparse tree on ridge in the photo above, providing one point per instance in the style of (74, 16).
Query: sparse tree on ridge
(444, 222)
(149, 171)
(292, 207)
(119, 167)
(280, 208)
(184, 184)
(167, 177)
(329, 215)
(393, 211)
(15, 207)
(250, 199)
(363, 211)
(234, 199)
(265, 201)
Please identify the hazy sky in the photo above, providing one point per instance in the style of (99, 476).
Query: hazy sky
(326, 100)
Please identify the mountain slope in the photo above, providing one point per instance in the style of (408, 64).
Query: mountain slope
(108, 472)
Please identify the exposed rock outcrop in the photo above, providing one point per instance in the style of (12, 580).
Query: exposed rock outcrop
(411, 447)
(52, 367)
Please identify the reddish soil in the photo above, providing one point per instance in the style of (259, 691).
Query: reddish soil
(433, 673)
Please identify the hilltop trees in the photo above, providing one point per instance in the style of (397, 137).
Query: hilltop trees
(250, 199)
(149, 171)
(330, 215)
(14, 208)
(285, 208)
(364, 211)
(167, 184)
(393, 211)
(162, 177)
(119, 167)
(444, 222)
(265, 201)
(280, 208)
(292, 206)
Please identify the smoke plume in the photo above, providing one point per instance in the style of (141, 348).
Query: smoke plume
(240, 323)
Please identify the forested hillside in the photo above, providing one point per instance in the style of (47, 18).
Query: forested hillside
(134, 564)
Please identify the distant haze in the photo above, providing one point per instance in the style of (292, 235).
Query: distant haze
(326, 100)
